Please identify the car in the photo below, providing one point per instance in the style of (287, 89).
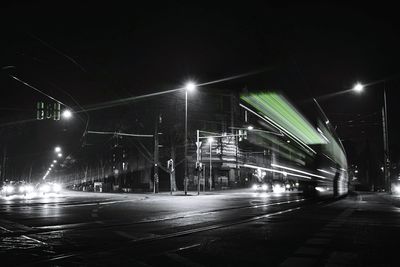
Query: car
(278, 187)
(47, 187)
(17, 188)
(260, 187)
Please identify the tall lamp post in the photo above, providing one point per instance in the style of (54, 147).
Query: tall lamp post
(386, 164)
(210, 141)
(190, 86)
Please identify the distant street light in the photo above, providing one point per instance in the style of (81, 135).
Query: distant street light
(54, 161)
(250, 127)
(358, 87)
(57, 149)
(59, 155)
(190, 86)
(67, 114)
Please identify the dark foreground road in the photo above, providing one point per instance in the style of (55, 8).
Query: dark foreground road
(232, 228)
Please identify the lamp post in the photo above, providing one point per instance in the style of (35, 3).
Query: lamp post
(190, 86)
(210, 141)
(386, 159)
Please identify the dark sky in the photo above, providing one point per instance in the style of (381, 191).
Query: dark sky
(94, 53)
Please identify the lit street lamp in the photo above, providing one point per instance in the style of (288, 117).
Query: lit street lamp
(190, 86)
(67, 114)
(59, 155)
(57, 149)
(386, 167)
(358, 87)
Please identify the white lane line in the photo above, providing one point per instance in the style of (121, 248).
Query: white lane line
(24, 236)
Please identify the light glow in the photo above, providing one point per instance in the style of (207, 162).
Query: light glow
(67, 114)
(299, 171)
(358, 87)
(277, 171)
(277, 188)
(190, 86)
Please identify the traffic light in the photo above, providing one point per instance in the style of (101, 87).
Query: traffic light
(170, 165)
(56, 111)
(242, 135)
(199, 166)
(39, 110)
(48, 111)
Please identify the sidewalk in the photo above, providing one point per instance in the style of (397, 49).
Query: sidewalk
(363, 233)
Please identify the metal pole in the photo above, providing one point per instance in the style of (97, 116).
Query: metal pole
(185, 176)
(210, 167)
(198, 160)
(386, 163)
(155, 189)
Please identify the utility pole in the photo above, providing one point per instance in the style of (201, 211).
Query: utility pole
(156, 154)
(185, 181)
(4, 163)
(386, 159)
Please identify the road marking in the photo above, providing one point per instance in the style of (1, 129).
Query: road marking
(26, 237)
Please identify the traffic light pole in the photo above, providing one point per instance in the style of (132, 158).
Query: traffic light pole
(156, 158)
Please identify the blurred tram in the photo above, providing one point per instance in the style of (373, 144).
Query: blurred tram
(301, 148)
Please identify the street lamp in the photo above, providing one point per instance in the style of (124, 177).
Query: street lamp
(210, 141)
(67, 114)
(190, 86)
(250, 127)
(359, 88)
(59, 155)
(57, 149)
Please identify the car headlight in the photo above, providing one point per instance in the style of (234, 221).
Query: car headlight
(288, 186)
(9, 189)
(56, 187)
(45, 188)
(264, 187)
(29, 188)
(254, 187)
(320, 189)
(397, 189)
(277, 188)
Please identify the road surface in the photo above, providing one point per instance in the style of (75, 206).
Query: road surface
(230, 228)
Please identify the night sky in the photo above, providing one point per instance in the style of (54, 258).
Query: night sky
(90, 53)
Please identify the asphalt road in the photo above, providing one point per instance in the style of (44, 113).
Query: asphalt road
(231, 228)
